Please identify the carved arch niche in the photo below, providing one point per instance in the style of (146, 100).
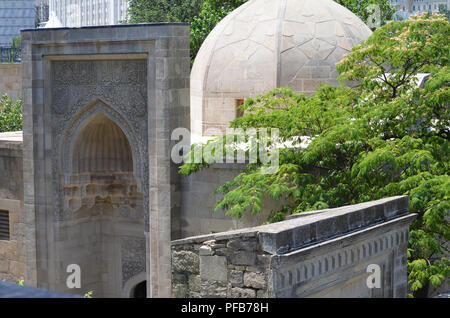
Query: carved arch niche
(99, 164)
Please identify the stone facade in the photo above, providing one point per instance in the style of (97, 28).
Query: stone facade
(105, 205)
(79, 241)
(318, 254)
(12, 251)
(198, 196)
(93, 184)
(11, 80)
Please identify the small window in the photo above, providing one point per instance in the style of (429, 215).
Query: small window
(4, 225)
(239, 111)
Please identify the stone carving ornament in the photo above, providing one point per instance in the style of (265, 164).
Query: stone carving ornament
(83, 89)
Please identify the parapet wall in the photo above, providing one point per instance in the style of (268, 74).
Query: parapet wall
(199, 199)
(318, 254)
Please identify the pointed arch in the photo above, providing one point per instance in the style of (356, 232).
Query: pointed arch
(132, 283)
(101, 146)
(98, 111)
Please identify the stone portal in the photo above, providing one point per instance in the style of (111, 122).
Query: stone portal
(100, 190)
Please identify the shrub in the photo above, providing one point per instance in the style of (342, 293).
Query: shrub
(10, 114)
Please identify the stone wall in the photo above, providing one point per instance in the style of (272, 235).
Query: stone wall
(197, 216)
(11, 80)
(12, 251)
(316, 254)
(220, 267)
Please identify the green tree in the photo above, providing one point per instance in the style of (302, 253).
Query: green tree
(366, 11)
(10, 114)
(212, 12)
(16, 42)
(386, 136)
(163, 10)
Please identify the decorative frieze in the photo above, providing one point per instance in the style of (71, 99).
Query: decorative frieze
(345, 257)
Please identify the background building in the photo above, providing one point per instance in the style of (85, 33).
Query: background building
(42, 12)
(415, 6)
(77, 13)
(15, 16)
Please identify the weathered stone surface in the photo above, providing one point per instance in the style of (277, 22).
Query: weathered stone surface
(221, 252)
(261, 294)
(179, 291)
(219, 246)
(242, 251)
(12, 251)
(194, 283)
(213, 268)
(332, 268)
(242, 257)
(179, 278)
(213, 289)
(236, 278)
(209, 243)
(297, 232)
(185, 261)
(255, 280)
(4, 266)
(238, 292)
(205, 250)
(133, 257)
(242, 245)
(194, 295)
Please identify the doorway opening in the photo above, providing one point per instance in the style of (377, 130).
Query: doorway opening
(140, 291)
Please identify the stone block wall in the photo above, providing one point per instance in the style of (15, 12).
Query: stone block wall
(318, 254)
(12, 251)
(11, 80)
(220, 268)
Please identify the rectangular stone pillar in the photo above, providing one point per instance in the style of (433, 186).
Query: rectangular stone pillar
(170, 111)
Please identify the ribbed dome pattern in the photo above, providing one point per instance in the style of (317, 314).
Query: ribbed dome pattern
(102, 147)
(265, 44)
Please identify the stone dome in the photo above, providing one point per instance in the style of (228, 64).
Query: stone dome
(265, 44)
